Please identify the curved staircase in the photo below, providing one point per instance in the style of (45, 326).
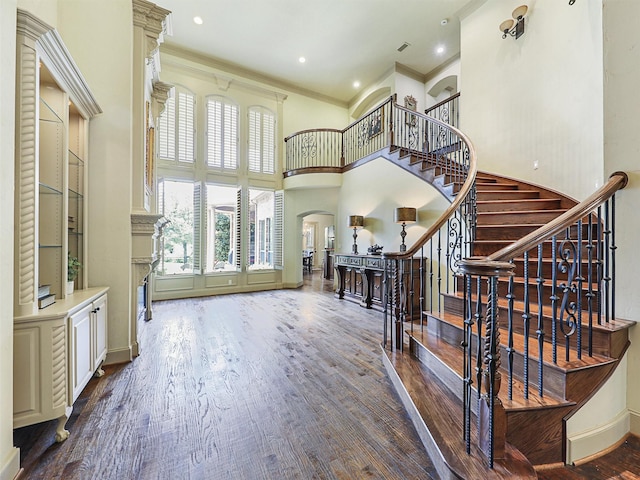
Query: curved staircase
(428, 375)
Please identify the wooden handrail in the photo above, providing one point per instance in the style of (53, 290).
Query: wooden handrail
(459, 198)
(337, 130)
(443, 102)
(617, 181)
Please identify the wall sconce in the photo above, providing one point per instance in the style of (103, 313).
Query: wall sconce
(507, 27)
(405, 215)
(355, 222)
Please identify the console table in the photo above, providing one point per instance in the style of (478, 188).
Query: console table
(360, 279)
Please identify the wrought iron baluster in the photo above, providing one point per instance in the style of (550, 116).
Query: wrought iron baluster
(590, 293)
(540, 329)
(439, 265)
(510, 350)
(478, 321)
(554, 298)
(526, 316)
(467, 359)
(580, 280)
(606, 279)
(567, 265)
(422, 273)
(599, 249)
(613, 257)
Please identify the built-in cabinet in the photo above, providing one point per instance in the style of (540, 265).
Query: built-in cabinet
(58, 347)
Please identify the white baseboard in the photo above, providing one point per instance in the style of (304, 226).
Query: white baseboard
(123, 355)
(634, 422)
(11, 465)
(590, 442)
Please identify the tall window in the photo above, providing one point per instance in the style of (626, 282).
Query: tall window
(262, 131)
(261, 215)
(176, 128)
(177, 205)
(222, 133)
(221, 228)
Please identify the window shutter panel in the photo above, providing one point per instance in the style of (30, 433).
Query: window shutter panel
(214, 127)
(238, 247)
(278, 231)
(254, 140)
(167, 131)
(231, 136)
(268, 143)
(197, 214)
(186, 127)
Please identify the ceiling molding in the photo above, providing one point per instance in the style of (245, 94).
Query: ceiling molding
(234, 69)
(440, 68)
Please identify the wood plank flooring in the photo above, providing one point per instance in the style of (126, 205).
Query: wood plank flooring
(273, 385)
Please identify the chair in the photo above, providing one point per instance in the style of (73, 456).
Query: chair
(307, 260)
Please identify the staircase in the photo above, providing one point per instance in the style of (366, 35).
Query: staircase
(428, 371)
(506, 307)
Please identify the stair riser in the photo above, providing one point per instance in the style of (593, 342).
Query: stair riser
(487, 248)
(496, 186)
(505, 205)
(507, 195)
(516, 218)
(603, 342)
(516, 232)
(547, 290)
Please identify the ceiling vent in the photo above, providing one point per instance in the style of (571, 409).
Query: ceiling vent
(403, 46)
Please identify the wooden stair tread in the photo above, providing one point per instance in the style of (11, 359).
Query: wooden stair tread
(435, 411)
(561, 364)
(451, 356)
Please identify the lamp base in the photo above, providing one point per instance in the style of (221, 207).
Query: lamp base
(403, 248)
(354, 249)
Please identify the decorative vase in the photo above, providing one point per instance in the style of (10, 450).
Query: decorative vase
(70, 287)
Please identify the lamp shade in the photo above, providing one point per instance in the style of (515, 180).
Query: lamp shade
(405, 215)
(520, 11)
(506, 25)
(356, 221)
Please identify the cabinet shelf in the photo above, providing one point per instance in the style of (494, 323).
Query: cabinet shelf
(75, 159)
(76, 195)
(45, 189)
(47, 113)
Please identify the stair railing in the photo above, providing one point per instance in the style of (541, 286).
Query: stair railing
(447, 111)
(579, 294)
(414, 280)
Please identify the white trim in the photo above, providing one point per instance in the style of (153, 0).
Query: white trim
(11, 466)
(121, 355)
(590, 442)
(634, 422)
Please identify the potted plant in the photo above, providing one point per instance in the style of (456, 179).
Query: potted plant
(73, 268)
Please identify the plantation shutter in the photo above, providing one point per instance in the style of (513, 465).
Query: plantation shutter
(160, 196)
(186, 127)
(167, 131)
(222, 134)
(278, 230)
(197, 213)
(238, 246)
(254, 140)
(261, 140)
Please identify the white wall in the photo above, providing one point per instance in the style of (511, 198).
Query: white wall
(99, 36)
(536, 100)
(622, 152)
(9, 456)
(374, 190)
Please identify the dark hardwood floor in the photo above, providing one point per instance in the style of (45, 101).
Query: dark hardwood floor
(273, 385)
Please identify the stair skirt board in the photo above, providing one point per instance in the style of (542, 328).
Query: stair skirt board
(448, 464)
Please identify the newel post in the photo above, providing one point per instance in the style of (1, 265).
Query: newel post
(492, 419)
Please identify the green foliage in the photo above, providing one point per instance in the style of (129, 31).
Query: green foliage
(73, 267)
(222, 236)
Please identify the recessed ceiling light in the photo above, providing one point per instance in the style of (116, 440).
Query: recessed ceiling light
(356, 84)
(302, 59)
(440, 49)
(198, 20)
